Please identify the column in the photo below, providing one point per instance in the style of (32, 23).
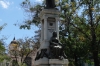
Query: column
(45, 28)
(42, 30)
(57, 27)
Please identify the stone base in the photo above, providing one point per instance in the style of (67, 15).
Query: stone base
(51, 62)
(57, 62)
(41, 62)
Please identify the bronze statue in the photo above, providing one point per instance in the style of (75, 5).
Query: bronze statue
(42, 54)
(56, 48)
(50, 4)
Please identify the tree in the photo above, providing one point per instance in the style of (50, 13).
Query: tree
(3, 54)
(92, 24)
(32, 12)
(87, 25)
(69, 34)
(26, 47)
(2, 26)
(2, 50)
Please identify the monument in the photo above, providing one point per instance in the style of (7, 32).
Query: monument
(51, 51)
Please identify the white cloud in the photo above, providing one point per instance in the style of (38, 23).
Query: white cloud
(4, 4)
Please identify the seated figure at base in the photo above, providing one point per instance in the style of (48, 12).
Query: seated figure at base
(56, 48)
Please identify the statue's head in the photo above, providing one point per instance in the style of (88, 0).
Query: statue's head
(50, 4)
(54, 34)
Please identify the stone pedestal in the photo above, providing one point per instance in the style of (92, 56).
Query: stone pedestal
(57, 62)
(51, 62)
(42, 62)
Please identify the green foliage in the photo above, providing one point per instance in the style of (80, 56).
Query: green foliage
(22, 64)
(3, 55)
(34, 11)
(89, 62)
(78, 28)
(26, 46)
(2, 26)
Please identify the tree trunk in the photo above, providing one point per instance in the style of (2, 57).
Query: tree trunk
(94, 49)
(76, 59)
(93, 41)
(95, 57)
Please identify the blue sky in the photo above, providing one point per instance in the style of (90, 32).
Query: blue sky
(11, 13)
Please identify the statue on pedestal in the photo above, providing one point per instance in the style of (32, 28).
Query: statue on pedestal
(50, 4)
(56, 48)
